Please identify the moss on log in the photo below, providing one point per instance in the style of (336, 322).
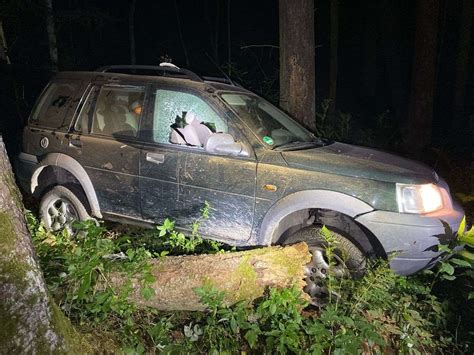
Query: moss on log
(243, 276)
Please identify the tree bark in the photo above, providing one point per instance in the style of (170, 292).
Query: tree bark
(333, 58)
(420, 116)
(297, 63)
(53, 47)
(243, 276)
(131, 32)
(3, 46)
(30, 322)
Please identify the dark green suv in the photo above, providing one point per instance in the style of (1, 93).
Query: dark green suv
(139, 144)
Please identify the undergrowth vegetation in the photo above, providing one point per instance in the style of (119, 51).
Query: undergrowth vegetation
(381, 312)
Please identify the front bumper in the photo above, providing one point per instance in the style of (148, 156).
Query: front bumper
(411, 240)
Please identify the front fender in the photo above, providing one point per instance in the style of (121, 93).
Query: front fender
(270, 228)
(72, 166)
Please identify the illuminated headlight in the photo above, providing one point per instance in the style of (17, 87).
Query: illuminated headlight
(419, 198)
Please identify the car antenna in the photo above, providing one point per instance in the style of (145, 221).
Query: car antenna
(220, 70)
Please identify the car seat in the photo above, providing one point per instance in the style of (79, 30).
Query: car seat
(194, 133)
(115, 121)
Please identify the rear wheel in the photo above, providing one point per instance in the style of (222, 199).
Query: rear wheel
(339, 258)
(60, 207)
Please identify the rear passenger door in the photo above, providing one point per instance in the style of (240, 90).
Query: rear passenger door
(104, 140)
(178, 176)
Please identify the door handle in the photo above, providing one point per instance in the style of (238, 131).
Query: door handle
(75, 143)
(155, 158)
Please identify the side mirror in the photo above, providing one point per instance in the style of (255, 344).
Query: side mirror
(224, 144)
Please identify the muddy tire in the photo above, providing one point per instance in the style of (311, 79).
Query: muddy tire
(60, 207)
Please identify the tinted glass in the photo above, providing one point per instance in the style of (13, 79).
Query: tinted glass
(117, 111)
(51, 110)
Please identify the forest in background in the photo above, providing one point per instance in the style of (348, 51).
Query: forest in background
(363, 94)
(364, 53)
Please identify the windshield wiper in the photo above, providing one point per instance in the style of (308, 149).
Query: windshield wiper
(297, 145)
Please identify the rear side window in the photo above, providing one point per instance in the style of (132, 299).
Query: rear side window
(118, 111)
(51, 109)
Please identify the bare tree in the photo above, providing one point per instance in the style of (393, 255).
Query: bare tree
(297, 65)
(53, 47)
(3, 46)
(420, 116)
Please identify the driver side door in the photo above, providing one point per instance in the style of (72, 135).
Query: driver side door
(183, 177)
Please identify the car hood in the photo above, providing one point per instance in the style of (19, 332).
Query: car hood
(351, 160)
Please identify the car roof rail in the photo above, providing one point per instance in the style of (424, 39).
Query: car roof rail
(219, 79)
(163, 68)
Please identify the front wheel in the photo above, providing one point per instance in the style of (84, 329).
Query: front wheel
(60, 207)
(334, 256)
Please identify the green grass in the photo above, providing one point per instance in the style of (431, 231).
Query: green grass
(380, 312)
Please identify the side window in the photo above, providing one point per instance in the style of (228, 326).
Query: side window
(115, 111)
(52, 107)
(183, 118)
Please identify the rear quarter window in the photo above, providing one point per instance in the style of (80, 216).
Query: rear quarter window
(51, 109)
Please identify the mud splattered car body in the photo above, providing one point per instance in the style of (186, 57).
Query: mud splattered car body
(140, 144)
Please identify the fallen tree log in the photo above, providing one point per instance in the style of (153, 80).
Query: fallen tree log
(243, 276)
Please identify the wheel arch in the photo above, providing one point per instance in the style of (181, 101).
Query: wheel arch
(73, 167)
(293, 211)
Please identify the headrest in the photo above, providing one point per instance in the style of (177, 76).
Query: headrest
(191, 117)
(135, 107)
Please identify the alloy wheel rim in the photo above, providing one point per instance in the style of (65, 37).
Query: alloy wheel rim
(61, 214)
(317, 271)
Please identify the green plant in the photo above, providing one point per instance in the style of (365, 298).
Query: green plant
(379, 312)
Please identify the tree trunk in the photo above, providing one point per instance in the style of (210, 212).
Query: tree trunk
(53, 48)
(420, 116)
(30, 322)
(242, 275)
(462, 60)
(131, 32)
(297, 68)
(3, 46)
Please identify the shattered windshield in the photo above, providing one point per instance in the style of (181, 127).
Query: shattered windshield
(272, 126)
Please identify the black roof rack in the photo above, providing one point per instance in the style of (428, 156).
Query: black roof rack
(150, 70)
(218, 79)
